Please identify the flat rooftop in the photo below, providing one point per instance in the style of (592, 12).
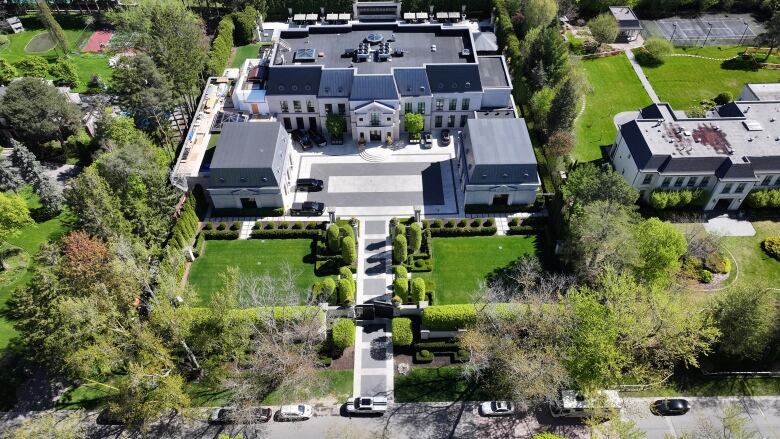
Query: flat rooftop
(330, 43)
(492, 72)
(765, 92)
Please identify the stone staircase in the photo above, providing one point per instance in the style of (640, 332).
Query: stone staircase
(375, 154)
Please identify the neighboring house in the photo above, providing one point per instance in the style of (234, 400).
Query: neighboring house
(496, 162)
(252, 166)
(629, 27)
(373, 74)
(730, 153)
(760, 92)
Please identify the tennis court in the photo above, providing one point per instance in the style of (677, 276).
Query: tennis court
(705, 30)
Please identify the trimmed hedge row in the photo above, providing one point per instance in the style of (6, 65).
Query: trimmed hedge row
(662, 199)
(221, 47)
(763, 198)
(438, 346)
(185, 227)
(220, 234)
(259, 315)
(343, 333)
(402, 331)
(461, 227)
(260, 211)
(536, 206)
(449, 317)
(200, 245)
(423, 357)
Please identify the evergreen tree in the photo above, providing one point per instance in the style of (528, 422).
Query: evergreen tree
(51, 25)
(565, 105)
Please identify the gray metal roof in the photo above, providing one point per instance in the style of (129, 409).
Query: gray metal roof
(373, 87)
(492, 72)
(412, 82)
(500, 141)
(247, 145)
(336, 83)
(453, 78)
(485, 42)
(293, 80)
(625, 17)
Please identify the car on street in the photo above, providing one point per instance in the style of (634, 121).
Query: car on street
(301, 138)
(309, 185)
(496, 408)
(445, 138)
(317, 138)
(307, 208)
(427, 141)
(227, 415)
(367, 404)
(670, 407)
(294, 412)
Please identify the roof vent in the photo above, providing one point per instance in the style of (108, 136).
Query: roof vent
(467, 84)
(433, 47)
(465, 52)
(422, 88)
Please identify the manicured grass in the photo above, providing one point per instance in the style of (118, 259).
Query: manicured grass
(29, 240)
(755, 266)
(684, 81)
(85, 396)
(245, 52)
(252, 256)
(460, 264)
(436, 384)
(614, 88)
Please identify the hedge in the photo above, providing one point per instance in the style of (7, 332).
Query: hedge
(346, 291)
(220, 234)
(348, 250)
(662, 199)
(536, 206)
(284, 233)
(221, 47)
(401, 289)
(717, 263)
(343, 333)
(771, 246)
(402, 331)
(438, 346)
(399, 249)
(260, 211)
(200, 245)
(449, 317)
(461, 227)
(259, 315)
(415, 237)
(323, 290)
(423, 357)
(183, 231)
(418, 289)
(763, 198)
(462, 356)
(246, 21)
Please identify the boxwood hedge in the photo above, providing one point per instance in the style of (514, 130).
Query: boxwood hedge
(449, 317)
(343, 333)
(402, 331)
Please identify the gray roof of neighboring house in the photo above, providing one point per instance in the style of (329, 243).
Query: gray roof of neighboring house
(336, 83)
(412, 81)
(293, 80)
(247, 145)
(765, 92)
(492, 72)
(373, 87)
(625, 17)
(453, 78)
(485, 42)
(500, 141)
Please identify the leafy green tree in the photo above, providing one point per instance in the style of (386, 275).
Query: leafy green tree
(413, 123)
(47, 117)
(654, 51)
(540, 105)
(348, 252)
(51, 25)
(771, 35)
(148, 391)
(399, 249)
(143, 90)
(14, 215)
(32, 66)
(65, 72)
(539, 13)
(604, 28)
(749, 320)
(565, 102)
(336, 125)
(544, 59)
(587, 183)
(246, 22)
(95, 208)
(661, 245)
(7, 72)
(415, 237)
(560, 143)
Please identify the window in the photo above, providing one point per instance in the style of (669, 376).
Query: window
(463, 120)
(437, 121)
(451, 121)
(740, 188)
(464, 104)
(648, 178)
(691, 182)
(374, 118)
(704, 182)
(421, 107)
(726, 189)
(439, 104)
(679, 181)
(328, 108)
(408, 107)
(777, 181)
(453, 104)
(309, 106)
(767, 180)
(297, 106)
(342, 109)
(666, 182)
(285, 107)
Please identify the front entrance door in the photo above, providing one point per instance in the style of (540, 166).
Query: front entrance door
(723, 204)
(255, 108)
(375, 135)
(299, 122)
(287, 124)
(313, 123)
(500, 199)
(248, 203)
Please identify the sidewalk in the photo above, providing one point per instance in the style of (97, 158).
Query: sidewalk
(641, 75)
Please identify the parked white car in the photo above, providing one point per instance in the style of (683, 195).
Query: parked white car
(496, 408)
(294, 412)
(366, 404)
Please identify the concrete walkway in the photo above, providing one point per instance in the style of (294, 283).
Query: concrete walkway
(724, 225)
(641, 75)
(373, 339)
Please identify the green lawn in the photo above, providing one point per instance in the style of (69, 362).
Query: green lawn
(685, 81)
(29, 240)
(436, 384)
(245, 52)
(755, 266)
(76, 32)
(614, 88)
(460, 264)
(252, 256)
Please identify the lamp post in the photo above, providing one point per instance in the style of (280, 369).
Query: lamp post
(708, 35)
(743, 32)
(674, 31)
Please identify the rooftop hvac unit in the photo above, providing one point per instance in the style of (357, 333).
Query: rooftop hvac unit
(465, 52)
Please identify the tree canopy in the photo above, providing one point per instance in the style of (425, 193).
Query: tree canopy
(50, 116)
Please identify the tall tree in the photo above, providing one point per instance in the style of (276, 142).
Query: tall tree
(587, 183)
(31, 171)
(13, 216)
(95, 208)
(51, 25)
(143, 91)
(771, 35)
(50, 116)
(539, 13)
(749, 319)
(661, 245)
(604, 28)
(565, 102)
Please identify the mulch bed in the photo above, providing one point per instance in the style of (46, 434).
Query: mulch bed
(346, 361)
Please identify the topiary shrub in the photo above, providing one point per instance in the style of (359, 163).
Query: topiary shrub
(400, 271)
(476, 222)
(402, 331)
(401, 289)
(723, 98)
(326, 290)
(449, 317)
(343, 333)
(221, 226)
(346, 291)
(298, 225)
(437, 224)
(399, 249)
(236, 225)
(415, 237)
(771, 246)
(763, 198)
(348, 250)
(333, 238)
(418, 289)
(208, 226)
(705, 276)
(423, 356)
(400, 229)
(282, 225)
(462, 356)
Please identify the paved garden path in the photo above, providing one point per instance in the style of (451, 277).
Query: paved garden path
(641, 75)
(373, 340)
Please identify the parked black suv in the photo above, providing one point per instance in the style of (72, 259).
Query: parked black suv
(307, 208)
(301, 138)
(309, 185)
(445, 138)
(317, 138)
